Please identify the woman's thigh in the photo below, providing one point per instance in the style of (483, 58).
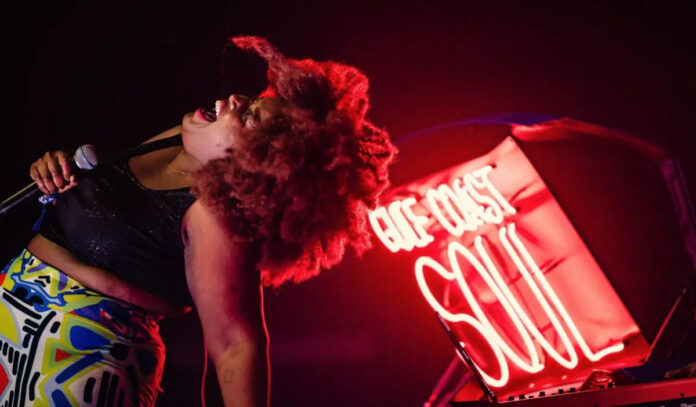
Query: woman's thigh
(64, 345)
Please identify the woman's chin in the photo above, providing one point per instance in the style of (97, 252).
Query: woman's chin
(191, 122)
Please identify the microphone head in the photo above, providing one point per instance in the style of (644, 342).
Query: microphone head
(86, 157)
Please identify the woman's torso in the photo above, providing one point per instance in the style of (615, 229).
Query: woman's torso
(149, 173)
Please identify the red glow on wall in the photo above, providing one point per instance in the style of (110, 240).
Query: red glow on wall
(496, 256)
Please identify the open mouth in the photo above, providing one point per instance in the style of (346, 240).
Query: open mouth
(208, 114)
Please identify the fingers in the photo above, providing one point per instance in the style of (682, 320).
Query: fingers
(44, 177)
(671, 374)
(72, 182)
(54, 169)
(676, 374)
(52, 173)
(64, 162)
(36, 176)
(686, 371)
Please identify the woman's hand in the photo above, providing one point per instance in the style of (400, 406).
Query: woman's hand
(683, 372)
(52, 172)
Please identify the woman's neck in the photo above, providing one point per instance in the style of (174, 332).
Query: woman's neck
(184, 163)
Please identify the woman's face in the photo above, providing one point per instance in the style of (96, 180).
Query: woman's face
(207, 137)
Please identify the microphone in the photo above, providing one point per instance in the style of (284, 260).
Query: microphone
(85, 158)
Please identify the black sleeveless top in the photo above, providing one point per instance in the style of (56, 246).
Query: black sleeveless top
(111, 221)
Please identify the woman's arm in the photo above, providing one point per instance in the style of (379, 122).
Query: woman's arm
(226, 289)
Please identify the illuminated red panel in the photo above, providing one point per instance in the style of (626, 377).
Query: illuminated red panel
(494, 254)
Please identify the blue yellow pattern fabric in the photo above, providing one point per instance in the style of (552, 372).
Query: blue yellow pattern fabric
(62, 344)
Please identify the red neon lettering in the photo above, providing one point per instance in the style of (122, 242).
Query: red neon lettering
(386, 230)
(458, 208)
(417, 221)
(480, 180)
(455, 221)
(541, 289)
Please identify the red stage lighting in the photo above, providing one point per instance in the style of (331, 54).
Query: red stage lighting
(497, 256)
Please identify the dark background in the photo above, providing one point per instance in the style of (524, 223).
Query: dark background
(116, 73)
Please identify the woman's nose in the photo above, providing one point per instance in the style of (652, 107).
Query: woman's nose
(237, 101)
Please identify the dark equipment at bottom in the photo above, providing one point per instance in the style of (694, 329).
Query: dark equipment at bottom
(669, 393)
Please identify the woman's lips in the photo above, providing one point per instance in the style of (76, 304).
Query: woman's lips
(206, 114)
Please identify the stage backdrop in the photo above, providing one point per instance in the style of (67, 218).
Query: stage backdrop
(494, 252)
(495, 255)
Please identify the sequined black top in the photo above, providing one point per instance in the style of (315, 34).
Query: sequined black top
(113, 222)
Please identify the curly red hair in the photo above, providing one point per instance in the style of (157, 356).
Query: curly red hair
(302, 184)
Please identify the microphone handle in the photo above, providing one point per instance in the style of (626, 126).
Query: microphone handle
(29, 192)
(85, 158)
(86, 161)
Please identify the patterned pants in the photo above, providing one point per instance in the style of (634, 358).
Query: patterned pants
(62, 344)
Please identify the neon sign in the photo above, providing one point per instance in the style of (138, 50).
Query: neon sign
(510, 269)
(458, 208)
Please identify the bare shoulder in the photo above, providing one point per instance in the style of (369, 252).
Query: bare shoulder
(199, 220)
(213, 253)
(201, 227)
